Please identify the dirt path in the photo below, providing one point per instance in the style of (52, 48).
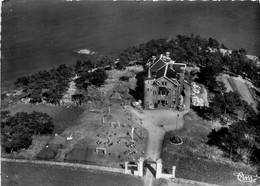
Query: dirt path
(157, 123)
(204, 95)
(71, 90)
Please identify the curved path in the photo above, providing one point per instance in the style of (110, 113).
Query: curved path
(157, 123)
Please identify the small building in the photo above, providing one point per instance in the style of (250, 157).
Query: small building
(163, 84)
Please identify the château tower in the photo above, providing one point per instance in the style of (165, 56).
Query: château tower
(148, 89)
(163, 84)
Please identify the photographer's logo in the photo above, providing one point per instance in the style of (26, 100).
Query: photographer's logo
(246, 177)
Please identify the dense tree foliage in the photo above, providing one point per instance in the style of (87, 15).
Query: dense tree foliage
(89, 76)
(78, 98)
(241, 140)
(82, 66)
(5, 114)
(124, 78)
(225, 105)
(195, 50)
(49, 85)
(17, 130)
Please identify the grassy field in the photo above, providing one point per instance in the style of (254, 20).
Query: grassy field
(26, 174)
(239, 85)
(197, 161)
(63, 117)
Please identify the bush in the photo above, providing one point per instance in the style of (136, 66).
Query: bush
(5, 114)
(17, 130)
(124, 78)
(54, 82)
(96, 78)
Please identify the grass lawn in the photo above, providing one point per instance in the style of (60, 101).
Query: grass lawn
(63, 117)
(27, 174)
(197, 161)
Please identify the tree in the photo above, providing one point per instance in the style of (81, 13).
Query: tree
(213, 43)
(240, 140)
(65, 71)
(242, 51)
(105, 61)
(15, 138)
(40, 123)
(5, 114)
(98, 77)
(123, 62)
(78, 98)
(124, 78)
(22, 81)
(17, 130)
(49, 84)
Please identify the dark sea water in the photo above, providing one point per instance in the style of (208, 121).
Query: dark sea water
(42, 34)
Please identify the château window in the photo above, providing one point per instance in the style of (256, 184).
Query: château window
(164, 83)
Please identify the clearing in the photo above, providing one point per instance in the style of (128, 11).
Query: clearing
(241, 86)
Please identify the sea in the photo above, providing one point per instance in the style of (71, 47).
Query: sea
(38, 35)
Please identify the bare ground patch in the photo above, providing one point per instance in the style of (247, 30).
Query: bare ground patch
(241, 86)
(92, 133)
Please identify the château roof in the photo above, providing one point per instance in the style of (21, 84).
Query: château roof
(157, 65)
(170, 70)
(165, 67)
(177, 67)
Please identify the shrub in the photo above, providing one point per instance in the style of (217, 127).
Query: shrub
(17, 130)
(124, 78)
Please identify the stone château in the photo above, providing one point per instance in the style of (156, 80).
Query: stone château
(163, 84)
